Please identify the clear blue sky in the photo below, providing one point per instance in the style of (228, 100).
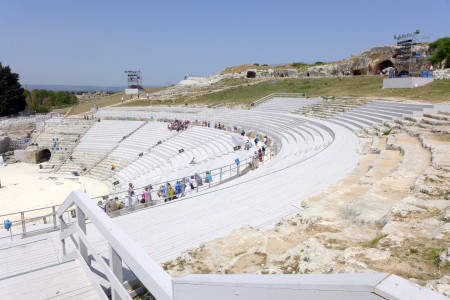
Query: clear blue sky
(92, 42)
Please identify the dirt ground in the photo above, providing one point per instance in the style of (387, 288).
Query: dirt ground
(24, 188)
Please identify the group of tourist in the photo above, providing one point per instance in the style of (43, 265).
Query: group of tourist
(111, 205)
(206, 124)
(186, 186)
(259, 154)
(183, 187)
(219, 126)
(178, 125)
(130, 199)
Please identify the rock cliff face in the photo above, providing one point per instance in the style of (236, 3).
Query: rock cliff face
(377, 58)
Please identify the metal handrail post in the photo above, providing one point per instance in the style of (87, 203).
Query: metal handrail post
(54, 217)
(115, 263)
(81, 222)
(220, 178)
(63, 241)
(24, 229)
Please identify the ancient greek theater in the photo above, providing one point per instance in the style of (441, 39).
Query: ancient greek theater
(291, 197)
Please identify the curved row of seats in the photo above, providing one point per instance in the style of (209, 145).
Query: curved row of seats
(258, 199)
(105, 135)
(326, 108)
(295, 136)
(96, 143)
(205, 144)
(284, 105)
(376, 113)
(142, 140)
(267, 123)
(66, 134)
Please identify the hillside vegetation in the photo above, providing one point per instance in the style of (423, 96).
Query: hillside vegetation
(369, 86)
(244, 91)
(113, 99)
(360, 86)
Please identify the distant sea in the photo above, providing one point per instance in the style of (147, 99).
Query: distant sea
(76, 88)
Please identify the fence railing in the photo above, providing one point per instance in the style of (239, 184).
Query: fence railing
(39, 223)
(218, 176)
(18, 144)
(121, 249)
(33, 221)
(277, 95)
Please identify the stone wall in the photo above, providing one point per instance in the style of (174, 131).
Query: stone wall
(442, 74)
(4, 143)
(31, 155)
(19, 155)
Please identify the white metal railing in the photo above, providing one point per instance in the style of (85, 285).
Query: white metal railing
(33, 221)
(44, 219)
(277, 95)
(300, 286)
(218, 175)
(121, 249)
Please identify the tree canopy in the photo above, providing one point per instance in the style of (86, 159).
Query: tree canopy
(441, 52)
(42, 100)
(12, 98)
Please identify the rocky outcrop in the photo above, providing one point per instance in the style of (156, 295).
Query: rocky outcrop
(4, 142)
(377, 58)
(442, 74)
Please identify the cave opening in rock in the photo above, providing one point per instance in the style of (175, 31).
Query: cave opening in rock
(384, 64)
(356, 72)
(43, 155)
(251, 74)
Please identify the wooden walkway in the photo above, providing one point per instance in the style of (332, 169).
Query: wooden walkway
(63, 281)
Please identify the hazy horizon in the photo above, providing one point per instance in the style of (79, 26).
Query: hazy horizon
(92, 43)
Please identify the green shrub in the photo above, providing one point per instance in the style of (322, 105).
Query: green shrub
(298, 64)
(41, 109)
(435, 255)
(373, 243)
(441, 52)
(386, 133)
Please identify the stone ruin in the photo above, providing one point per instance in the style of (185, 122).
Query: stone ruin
(377, 58)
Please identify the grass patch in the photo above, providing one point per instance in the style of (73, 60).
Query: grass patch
(386, 133)
(358, 86)
(434, 255)
(243, 91)
(334, 241)
(106, 101)
(430, 179)
(413, 250)
(373, 243)
(234, 81)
